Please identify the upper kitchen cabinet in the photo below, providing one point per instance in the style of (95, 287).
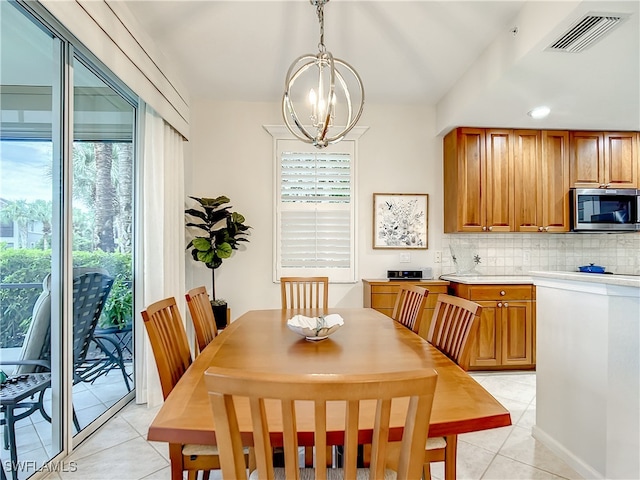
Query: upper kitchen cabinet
(478, 180)
(604, 159)
(526, 178)
(541, 181)
(554, 181)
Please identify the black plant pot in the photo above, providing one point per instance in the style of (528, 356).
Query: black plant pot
(220, 314)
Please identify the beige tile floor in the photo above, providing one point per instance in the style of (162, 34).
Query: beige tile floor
(119, 449)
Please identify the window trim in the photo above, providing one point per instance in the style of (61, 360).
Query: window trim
(281, 138)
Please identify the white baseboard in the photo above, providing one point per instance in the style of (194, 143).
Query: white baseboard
(585, 470)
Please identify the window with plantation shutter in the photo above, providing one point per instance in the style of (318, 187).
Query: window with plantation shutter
(315, 211)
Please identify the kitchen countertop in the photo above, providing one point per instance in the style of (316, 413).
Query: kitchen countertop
(431, 281)
(608, 279)
(489, 279)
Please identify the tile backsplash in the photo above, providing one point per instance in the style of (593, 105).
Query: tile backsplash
(518, 254)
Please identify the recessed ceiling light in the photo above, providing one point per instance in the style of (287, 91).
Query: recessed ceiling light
(539, 112)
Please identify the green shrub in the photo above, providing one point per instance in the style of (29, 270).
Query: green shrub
(118, 309)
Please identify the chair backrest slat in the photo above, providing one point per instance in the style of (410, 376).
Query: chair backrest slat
(168, 341)
(320, 413)
(454, 327)
(409, 306)
(305, 292)
(350, 392)
(201, 312)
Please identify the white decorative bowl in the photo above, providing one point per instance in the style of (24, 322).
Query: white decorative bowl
(322, 330)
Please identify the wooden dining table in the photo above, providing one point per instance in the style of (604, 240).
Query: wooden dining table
(369, 341)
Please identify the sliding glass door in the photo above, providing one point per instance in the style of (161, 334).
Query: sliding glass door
(31, 198)
(102, 172)
(67, 181)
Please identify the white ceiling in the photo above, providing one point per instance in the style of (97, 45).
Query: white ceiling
(459, 55)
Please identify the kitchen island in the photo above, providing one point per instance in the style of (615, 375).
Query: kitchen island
(588, 371)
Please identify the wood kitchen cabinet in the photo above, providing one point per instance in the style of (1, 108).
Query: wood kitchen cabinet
(506, 337)
(541, 180)
(604, 159)
(381, 295)
(503, 180)
(478, 180)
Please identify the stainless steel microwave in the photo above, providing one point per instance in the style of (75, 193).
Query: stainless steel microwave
(605, 209)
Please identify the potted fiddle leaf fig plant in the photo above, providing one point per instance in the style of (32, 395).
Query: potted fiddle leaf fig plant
(219, 233)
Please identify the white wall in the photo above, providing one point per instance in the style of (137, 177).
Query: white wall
(231, 154)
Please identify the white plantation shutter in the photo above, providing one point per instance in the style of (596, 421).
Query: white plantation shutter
(315, 211)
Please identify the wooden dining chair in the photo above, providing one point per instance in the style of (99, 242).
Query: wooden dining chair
(409, 306)
(305, 292)
(454, 327)
(351, 393)
(168, 339)
(201, 312)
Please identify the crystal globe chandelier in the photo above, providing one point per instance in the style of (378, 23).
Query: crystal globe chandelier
(320, 108)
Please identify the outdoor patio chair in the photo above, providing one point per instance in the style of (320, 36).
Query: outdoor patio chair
(91, 286)
(20, 396)
(90, 292)
(93, 355)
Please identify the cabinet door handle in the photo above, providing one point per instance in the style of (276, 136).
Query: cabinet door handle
(506, 304)
(546, 229)
(491, 229)
(499, 304)
(484, 229)
(502, 293)
(540, 229)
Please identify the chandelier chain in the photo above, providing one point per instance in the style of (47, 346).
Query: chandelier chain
(320, 12)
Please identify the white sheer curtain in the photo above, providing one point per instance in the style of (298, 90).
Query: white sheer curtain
(160, 259)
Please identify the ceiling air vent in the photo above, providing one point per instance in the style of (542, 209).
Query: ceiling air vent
(591, 28)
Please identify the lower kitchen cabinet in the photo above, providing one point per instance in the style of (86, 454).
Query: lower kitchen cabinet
(506, 337)
(381, 295)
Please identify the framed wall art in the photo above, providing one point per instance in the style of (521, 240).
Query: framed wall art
(400, 220)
